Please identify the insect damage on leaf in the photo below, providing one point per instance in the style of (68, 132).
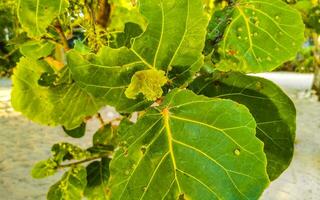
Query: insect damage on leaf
(147, 82)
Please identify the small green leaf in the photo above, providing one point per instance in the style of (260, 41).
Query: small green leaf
(77, 132)
(147, 82)
(44, 169)
(71, 186)
(262, 36)
(97, 179)
(192, 147)
(272, 109)
(37, 49)
(35, 15)
(66, 151)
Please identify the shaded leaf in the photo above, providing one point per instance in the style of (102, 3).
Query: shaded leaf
(101, 150)
(272, 109)
(97, 179)
(216, 28)
(131, 31)
(71, 186)
(192, 147)
(35, 16)
(77, 132)
(253, 23)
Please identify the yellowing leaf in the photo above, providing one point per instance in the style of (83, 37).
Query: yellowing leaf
(147, 82)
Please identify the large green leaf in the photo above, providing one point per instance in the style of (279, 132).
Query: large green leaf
(173, 40)
(63, 104)
(262, 35)
(190, 147)
(97, 178)
(71, 186)
(272, 109)
(36, 15)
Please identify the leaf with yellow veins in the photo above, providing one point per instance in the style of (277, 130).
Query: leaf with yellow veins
(148, 82)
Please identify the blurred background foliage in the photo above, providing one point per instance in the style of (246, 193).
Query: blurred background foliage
(307, 60)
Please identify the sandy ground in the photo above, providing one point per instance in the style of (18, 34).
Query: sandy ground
(22, 143)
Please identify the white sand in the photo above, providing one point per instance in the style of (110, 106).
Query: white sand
(22, 143)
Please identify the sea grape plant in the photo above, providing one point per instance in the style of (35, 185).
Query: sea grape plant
(203, 130)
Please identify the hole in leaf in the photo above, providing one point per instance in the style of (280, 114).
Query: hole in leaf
(143, 149)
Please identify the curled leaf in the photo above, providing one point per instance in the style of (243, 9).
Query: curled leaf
(147, 82)
(77, 132)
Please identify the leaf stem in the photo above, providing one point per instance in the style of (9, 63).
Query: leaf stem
(79, 162)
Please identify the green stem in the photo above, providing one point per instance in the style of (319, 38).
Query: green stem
(79, 162)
